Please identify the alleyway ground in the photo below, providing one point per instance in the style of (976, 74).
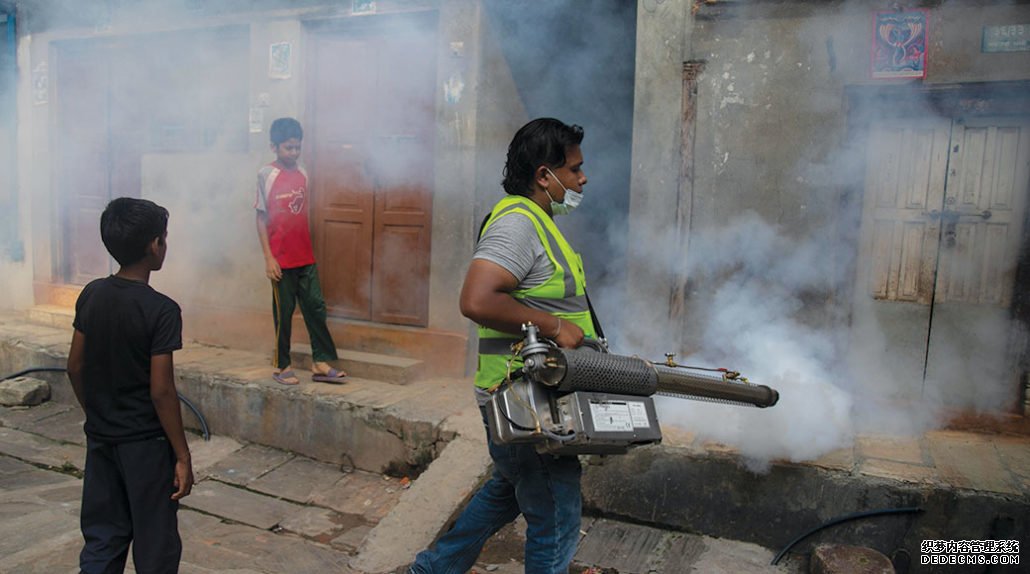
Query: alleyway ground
(257, 509)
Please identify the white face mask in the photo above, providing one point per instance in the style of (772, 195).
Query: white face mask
(569, 203)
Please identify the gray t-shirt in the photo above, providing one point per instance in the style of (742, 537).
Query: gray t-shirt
(512, 242)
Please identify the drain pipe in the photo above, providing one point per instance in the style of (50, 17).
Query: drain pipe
(840, 519)
(182, 399)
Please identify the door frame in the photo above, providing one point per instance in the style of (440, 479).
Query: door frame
(955, 101)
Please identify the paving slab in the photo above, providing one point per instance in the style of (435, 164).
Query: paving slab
(39, 450)
(842, 459)
(352, 538)
(896, 448)
(731, 557)
(299, 479)
(366, 494)
(58, 553)
(1014, 455)
(17, 417)
(248, 463)
(913, 473)
(238, 504)
(319, 524)
(259, 550)
(207, 453)
(33, 477)
(62, 427)
(10, 465)
(966, 460)
(34, 528)
(628, 548)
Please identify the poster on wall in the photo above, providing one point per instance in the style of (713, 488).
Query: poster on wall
(363, 7)
(279, 60)
(40, 84)
(899, 44)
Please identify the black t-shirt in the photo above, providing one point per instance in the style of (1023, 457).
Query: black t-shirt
(125, 323)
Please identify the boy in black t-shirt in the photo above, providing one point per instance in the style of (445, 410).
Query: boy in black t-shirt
(120, 365)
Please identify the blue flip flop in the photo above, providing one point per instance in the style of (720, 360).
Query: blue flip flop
(282, 377)
(333, 376)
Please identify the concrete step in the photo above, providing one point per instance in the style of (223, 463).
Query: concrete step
(373, 366)
(52, 316)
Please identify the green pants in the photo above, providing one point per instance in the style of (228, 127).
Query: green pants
(300, 285)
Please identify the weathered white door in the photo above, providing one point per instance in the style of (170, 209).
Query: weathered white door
(941, 230)
(968, 358)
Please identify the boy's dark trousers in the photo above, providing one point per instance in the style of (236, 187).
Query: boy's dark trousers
(126, 497)
(300, 285)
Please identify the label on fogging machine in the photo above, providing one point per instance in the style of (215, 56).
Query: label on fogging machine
(638, 412)
(618, 416)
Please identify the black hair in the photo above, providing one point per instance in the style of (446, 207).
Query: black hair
(128, 225)
(283, 129)
(542, 141)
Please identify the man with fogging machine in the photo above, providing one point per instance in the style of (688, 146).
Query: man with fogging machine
(524, 271)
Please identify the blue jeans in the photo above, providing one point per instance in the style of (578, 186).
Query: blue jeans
(542, 487)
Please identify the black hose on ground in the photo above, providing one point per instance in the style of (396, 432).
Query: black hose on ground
(840, 519)
(34, 370)
(182, 399)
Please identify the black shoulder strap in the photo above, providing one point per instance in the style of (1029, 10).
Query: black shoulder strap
(593, 316)
(482, 226)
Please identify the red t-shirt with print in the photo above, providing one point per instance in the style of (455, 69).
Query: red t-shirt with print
(283, 195)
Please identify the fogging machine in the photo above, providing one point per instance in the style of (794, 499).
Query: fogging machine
(590, 401)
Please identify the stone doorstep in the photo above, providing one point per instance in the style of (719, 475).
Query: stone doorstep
(397, 370)
(52, 316)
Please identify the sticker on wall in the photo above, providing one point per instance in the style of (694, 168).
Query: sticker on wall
(899, 44)
(279, 60)
(363, 7)
(40, 84)
(257, 119)
(1006, 38)
(453, 88)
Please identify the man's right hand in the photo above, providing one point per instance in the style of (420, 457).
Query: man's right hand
(183, 482)
(272, 269)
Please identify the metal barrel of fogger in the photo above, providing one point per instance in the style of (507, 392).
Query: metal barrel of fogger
(706, 385)
(587, 370)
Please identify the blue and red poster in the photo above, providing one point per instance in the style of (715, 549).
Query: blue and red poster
(899, 44)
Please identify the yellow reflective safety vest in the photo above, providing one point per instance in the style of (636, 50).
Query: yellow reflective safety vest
(562, 295)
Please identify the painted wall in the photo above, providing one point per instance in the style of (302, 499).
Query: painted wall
(771, 133)
(215, 269)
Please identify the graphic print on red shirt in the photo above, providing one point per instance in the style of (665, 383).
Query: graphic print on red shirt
(283, 195)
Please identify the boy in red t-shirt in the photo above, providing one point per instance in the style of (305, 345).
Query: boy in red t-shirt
(282, 225)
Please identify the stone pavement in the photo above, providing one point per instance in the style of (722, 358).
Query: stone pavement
(257, 509)
(301, 469)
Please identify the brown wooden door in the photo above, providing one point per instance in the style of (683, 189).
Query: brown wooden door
(371, 152)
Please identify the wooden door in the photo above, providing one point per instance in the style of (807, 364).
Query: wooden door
(83, 157)
(941, 231)
(968, 359)
(157, 96)
(371, 129)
